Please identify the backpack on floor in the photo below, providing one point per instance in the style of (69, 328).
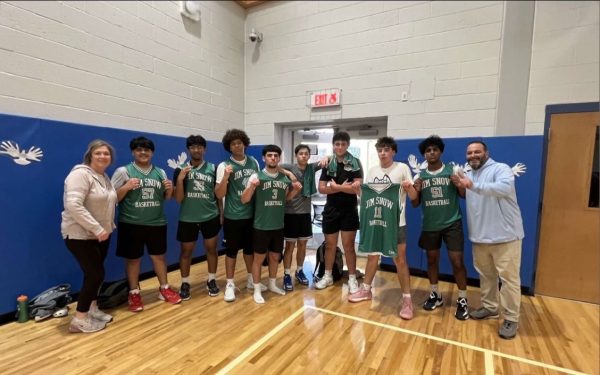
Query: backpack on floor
(113, 294)
(338, 264)
(50, 301)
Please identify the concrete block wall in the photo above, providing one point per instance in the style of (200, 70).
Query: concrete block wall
(124, 64)
(445, 55)
(565, 57)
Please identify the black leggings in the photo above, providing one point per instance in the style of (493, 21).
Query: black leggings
(90, 255)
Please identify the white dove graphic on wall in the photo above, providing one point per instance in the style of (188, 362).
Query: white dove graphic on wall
(518, 169)
(176, 163)
(21, 157)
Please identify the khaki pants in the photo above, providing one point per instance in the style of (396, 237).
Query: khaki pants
(500, 260)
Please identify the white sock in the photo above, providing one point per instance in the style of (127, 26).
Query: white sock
(165, 286)
(329, 273)
(352, 277)
(185, 279)
(462, 293)
(287, 271)
(258, 298)
(134, 291)
(274, 288)
(230, 282)
(434, 288)
(406, 295)
(366, 286)
(212, 276)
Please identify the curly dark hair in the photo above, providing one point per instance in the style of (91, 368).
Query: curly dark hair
(387, 142)
(271, 148)
(432, 140)
(233, 134)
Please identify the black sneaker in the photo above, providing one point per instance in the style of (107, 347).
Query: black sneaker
(433, 302)
(184, 291)
(213, 289)
(462, 309)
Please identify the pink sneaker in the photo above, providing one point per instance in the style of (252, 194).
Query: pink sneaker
(169, 295)
(361, 295)
(406, 312)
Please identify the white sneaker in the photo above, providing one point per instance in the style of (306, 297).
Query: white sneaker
(86, 325)
(100, 315)
(324, 282)
(229, 292)
(352, 286)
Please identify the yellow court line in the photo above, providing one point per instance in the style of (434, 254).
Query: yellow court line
(489, 363)
(260, 342)
(451, 342)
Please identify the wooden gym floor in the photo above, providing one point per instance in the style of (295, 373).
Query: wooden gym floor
(308, 331)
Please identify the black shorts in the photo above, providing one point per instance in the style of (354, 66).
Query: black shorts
(336, 219)
(268, 240)
(188, 232)
(131, 239)
(452, 235)
(238, 234)
(297, 227)
(401, 235)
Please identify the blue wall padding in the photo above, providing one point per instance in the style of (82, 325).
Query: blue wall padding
(33, 256)
(509, 150)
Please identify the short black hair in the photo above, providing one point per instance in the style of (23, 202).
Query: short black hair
(271, 148)
(233, 134)
(300, 147)
(341, 136)
(195, 140)
(480, 142)
(142, 142)
(387, 142)
(432, 140)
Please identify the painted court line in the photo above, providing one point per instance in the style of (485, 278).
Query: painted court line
(491, 353)
(260, 342)
(489, 363)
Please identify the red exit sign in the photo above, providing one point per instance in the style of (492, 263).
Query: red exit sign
(325, 98)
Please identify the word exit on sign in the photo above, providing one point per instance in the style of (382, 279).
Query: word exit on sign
(325, 98)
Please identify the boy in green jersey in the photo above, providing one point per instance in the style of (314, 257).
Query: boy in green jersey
(442, 220)
(270, 190)
(200, 212)
(142, 189)
(232, 176)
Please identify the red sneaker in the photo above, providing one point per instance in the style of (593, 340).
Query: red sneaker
(169, 295)
(135, 302)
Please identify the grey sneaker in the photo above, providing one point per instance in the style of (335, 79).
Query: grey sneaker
(86, 325)
(483, 313)
(100, 315)
(508, 330)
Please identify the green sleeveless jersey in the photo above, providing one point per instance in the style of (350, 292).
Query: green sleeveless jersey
(379, 217)
(269, 205)
(439, 200)
(144, 205)
(234, 208)
(199, 203)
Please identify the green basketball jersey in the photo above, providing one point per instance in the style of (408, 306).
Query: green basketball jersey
(380, 210)
(269, 205)
(234, 208)
(199, 203)
(144, 205)
(439, 200)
